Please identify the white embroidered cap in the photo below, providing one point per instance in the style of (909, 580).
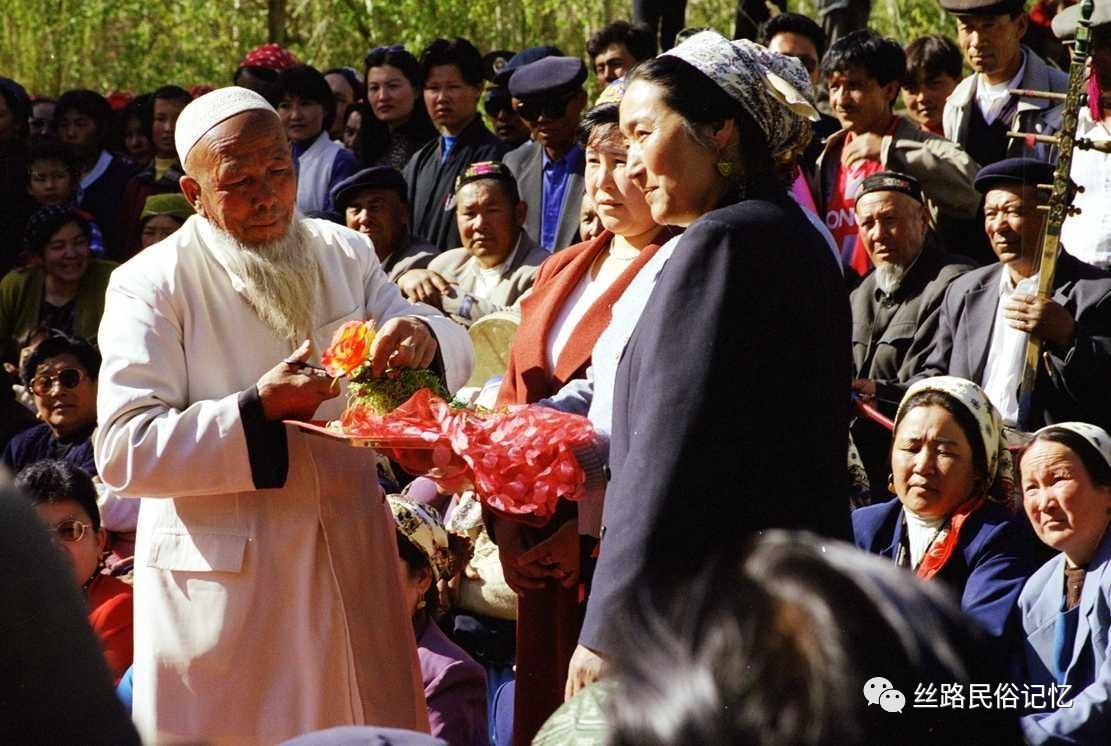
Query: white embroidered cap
(204, 113)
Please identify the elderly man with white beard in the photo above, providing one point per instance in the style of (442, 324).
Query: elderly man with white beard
(896, 308)
(267, 597)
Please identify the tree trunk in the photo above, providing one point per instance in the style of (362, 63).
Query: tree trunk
(275, 21)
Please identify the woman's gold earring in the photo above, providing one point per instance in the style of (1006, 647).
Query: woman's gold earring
(891, 483)
(725, 168)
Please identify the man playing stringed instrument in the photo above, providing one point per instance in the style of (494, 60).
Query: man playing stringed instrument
(988, 313)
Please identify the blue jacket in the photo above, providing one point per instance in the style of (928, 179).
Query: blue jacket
(1088, 720)
(994, 557)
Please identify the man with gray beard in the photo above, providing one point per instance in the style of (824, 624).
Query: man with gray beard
(896, 308)
(267, 598)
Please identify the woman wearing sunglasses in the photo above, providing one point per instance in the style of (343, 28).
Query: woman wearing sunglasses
(65, 499)
(61, 373)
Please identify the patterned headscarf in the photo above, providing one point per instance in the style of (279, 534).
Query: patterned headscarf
(773, 88)
(1096, 436)
(612, 93)
(272, 56)
(990, 427)
(422, 526)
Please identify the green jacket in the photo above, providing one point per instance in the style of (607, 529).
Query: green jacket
(21, 293)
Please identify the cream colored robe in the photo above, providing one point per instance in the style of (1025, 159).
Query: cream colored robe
(259, 614)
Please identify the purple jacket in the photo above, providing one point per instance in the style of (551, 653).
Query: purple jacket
(455, 688)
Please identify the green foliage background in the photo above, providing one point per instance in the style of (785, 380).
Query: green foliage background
(136, 45)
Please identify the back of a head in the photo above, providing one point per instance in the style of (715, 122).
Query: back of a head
(882, 58)
(18, 102)
(775, 648)
(459, 52)
(794, 23)
(637, 38)
(56, 686)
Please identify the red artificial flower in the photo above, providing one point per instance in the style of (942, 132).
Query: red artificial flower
(350, 348)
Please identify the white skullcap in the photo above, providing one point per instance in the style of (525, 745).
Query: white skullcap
(204, 113)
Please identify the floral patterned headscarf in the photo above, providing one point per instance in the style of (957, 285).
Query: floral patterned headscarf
(773, 88)
(990, 427)
(422, 526)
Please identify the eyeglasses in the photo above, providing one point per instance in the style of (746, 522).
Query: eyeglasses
(70, 531)
(552, 108)
(67, 377)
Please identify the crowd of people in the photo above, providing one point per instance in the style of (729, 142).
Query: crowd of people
(795, 313)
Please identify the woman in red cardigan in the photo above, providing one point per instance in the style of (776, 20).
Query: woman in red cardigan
(562, 317)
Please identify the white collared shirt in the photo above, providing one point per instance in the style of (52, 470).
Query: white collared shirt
(486, 279)
(1087, 235)
(993, 98)
(1006, 352)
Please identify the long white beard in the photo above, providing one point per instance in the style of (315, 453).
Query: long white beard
(889, 276)
(280, 278)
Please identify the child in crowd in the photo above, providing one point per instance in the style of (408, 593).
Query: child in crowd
(53, 178)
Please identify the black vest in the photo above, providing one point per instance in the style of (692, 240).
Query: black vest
(988, 143)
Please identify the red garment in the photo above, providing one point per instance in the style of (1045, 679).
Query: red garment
(840, 210)
(110, 615)
(548, 620)
(527, 378)
(272, 56)
(942, 549)
(1041, 14)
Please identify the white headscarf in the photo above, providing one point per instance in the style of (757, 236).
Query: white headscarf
(1096, 436)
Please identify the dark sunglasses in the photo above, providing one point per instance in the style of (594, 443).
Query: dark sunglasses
(67, 377)
(495, 105)
(552, 108)
(70, 531)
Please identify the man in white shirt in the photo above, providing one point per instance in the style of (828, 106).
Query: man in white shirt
(1088, 232)
(980, 111)
(988, 313)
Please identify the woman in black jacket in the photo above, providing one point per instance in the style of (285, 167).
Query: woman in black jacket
(731, 400)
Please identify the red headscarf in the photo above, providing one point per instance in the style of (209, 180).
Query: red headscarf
(272, 56)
